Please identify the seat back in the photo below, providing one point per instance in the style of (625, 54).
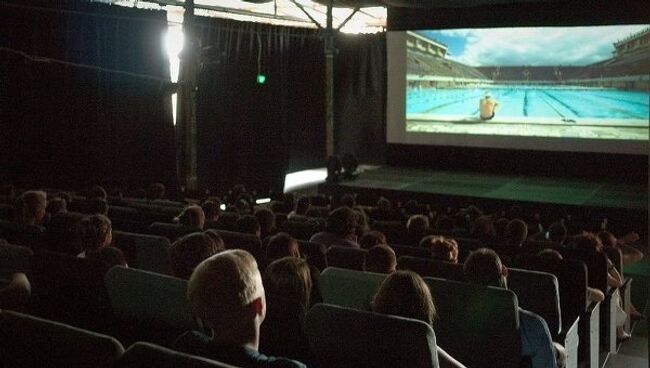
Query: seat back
(28, 341)
(314, 253)
(477, 325)
(145, 355)
(70, 290)
(572, 281)
(539, 293)
(348, 338)
(149, 298)
(432, 268)
(596, 266)
(395, 231)
(14, 258)
(302, 230)
(407, 250)
(248, 242)
(346, 257)
(169, 231)
(148, 252)
(349, 288)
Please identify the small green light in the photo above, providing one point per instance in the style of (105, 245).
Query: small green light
(261, 78)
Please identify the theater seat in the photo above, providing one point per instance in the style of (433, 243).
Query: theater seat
(150, 305)
(538, 292)
(432, 268)
(145, 355)
(348, 338)
(170, 231)
(149, 252)
(302, 230)
(248, 242)
(27, 341)
(314, 253)
(349, 288)
(477, 325)
(346, 257)
(411, 251)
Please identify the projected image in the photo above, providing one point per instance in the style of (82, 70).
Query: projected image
(575, 82)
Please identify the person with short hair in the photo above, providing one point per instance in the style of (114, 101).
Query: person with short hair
(156, 191)
(56, 205)
(226, 293)
(287, 283)
(34, 205)
(483, 229)
(405, 294)
(97, 192)
(381, 259)
(192, 217)
(282, 245)
(557, 232)
(217, 239)
(487, 107)
(266, 219)
(190, 250)
(417, 227)
(371, 238)
(212, 210)
(302, 206)
(484, 267)
(95, 233)
(340, 230)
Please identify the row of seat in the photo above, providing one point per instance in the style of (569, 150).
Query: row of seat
(28, 341)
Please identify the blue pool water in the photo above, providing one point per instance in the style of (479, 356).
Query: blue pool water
(533, 102)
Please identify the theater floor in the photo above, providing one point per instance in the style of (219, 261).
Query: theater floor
(634, 352)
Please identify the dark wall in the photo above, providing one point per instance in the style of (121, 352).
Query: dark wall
(359, 94)
(70, 126)
(551, 13)
(250, 133)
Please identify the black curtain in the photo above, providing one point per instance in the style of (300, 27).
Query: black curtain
(250, 133)
(359, 97)
(69, 126)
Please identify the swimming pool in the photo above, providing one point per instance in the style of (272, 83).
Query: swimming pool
(528, 103)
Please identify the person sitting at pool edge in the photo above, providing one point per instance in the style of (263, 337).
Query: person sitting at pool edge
(487, 107)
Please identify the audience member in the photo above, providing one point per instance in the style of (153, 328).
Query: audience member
(557, 232)
(302, 206)
(34, 204)
(405, 294)
(381, 259)
(442, 249)
(287, 282)
(95, 233)
(371, 238)
(63, 233)
(225, 291)
(212, 210)
(156, 191)
(190, 250)
(192, 217)
(445, 223)
(282, 245)
(348, 201)
(266, 219)
(56, 205)
(341, 229)
(483, 229)
(217, 239)
(417, 227)
(15, 288)
(484, 267)
(589, 242)
(97, 192)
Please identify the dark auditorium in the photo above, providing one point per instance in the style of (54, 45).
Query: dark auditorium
(324, 183)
